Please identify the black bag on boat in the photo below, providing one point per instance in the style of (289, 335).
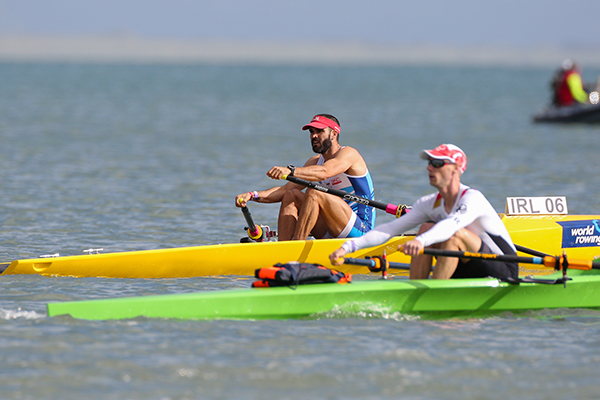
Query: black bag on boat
(296, 273)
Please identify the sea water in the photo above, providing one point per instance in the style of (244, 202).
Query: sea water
(136, 157)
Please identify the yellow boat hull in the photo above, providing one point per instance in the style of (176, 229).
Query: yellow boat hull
(186, 262)
(553, 234)
(548, 234)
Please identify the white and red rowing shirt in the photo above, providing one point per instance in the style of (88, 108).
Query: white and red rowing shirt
(471, 210)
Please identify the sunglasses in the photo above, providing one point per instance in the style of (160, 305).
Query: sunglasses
(435, 163)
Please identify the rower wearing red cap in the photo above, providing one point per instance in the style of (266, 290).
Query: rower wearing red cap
(314, 212)
(456, 217)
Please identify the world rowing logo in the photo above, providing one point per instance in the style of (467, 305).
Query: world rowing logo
(581, 233)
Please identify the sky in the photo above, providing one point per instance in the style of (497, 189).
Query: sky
(523, 23)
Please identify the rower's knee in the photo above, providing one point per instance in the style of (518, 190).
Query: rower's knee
(425, 227)
(315, 195)
(460, 235)
(463, 240)
(455, 241)
(466, 240)
(292, 196)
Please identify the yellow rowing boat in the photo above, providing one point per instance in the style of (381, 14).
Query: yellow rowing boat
(577, 235)
(186, 262)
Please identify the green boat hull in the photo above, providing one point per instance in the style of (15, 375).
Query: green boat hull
(427, 298)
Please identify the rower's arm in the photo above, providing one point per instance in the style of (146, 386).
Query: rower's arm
(275, 194)
(346, 160)
(272, 195)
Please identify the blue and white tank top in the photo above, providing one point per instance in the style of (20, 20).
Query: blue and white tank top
(357, 185)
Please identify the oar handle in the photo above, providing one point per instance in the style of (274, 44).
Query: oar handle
(397, 210)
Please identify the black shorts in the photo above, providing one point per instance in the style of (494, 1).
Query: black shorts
(480, 268)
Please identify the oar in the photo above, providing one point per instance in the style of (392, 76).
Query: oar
(397, 210)
(531, 251)
(255, 232)
(374, 263)
(557, 262)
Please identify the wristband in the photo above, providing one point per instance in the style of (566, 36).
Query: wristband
(253, 195)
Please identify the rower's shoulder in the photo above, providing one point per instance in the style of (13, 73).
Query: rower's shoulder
(347, 151)
(313, 160)
(356, 164)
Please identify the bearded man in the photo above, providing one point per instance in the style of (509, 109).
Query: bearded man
(311, 212)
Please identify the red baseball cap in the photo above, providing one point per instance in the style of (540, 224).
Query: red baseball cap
(448, 152)
(321, 122)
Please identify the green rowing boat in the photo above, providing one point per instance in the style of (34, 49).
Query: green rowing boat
(426, 298)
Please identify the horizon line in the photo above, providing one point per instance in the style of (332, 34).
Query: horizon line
(129, 48)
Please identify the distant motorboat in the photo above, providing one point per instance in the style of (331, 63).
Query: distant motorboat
(581, 113)
(576, 113)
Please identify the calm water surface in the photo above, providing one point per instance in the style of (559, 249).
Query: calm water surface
(131, 157)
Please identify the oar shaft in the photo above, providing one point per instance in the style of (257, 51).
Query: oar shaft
(389, 208)
(547, 261)
(531, 251)
(492, 257)
(253, 229)
(369, 262)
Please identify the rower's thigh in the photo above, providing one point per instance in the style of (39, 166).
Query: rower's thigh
(334, 211)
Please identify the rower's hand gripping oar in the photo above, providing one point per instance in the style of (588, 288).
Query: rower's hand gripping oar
(397, 210)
